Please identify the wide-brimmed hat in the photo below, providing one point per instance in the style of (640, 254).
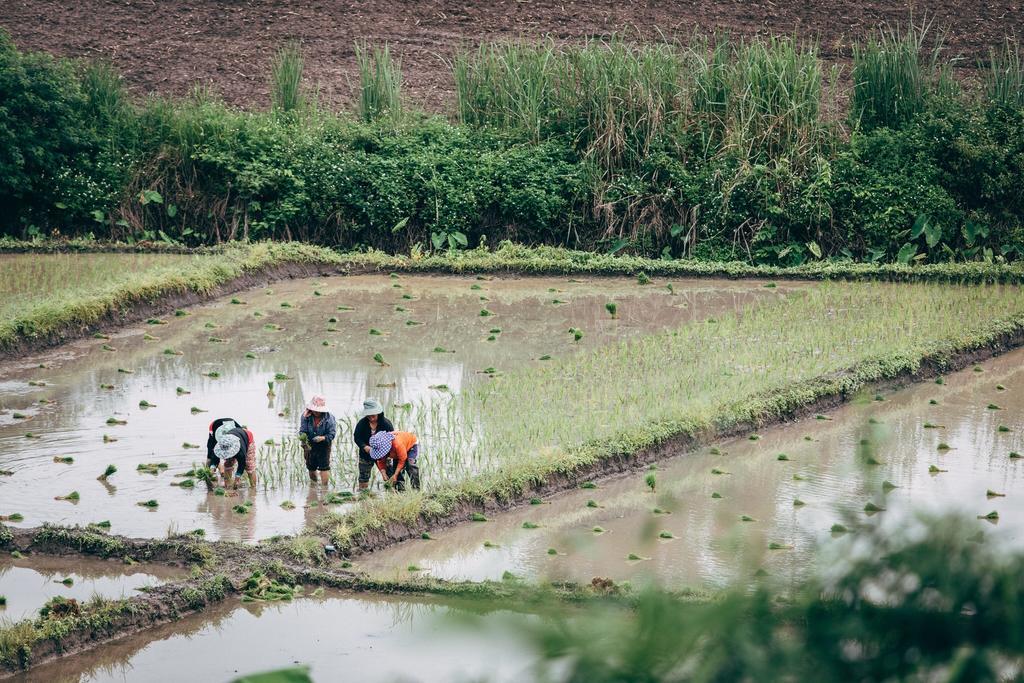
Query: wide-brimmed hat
(225, 427)
(372, 406)
(318, 404)
(380, 444)
(228, 447)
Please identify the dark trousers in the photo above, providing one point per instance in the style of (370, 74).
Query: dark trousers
(410, 472)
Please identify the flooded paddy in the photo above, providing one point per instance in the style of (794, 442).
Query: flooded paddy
(339, 636)
(82, 404)
(767, 504)
(29, 582)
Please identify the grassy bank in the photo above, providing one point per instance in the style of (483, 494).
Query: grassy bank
(96, 292)
(104, 296)
(542, 430)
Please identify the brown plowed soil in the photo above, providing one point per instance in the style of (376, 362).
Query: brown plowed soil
(166, 46)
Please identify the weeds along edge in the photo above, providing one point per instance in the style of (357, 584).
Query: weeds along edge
(364, 531)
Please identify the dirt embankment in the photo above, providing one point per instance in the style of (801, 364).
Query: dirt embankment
(167, 47)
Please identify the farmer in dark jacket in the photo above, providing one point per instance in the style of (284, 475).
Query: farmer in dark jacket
(233, 453)
(317, 431)
(373, 421)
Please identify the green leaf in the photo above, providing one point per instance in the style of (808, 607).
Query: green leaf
(906, 253)
(172, 210)
(98, 216)
(676, 230)
(813, 247)
(438, 239)
(399, 225)
(460, 238)
(919, 226)
(292, 675)
(932, 234)
(617, 246)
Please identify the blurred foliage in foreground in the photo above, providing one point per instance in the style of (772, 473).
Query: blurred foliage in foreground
(933, 602)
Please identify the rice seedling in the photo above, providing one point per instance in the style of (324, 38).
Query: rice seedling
(935, 469)
(643, 279)
(72, 497)
(219, 491)
(558, 302)
(379, 359)
(413, 323)
(879, 397)
(992, 516)
(249, 355)
(651, 480)
(754, 437)
(484, 313)
(530, 525)
(16, 555)
(536, 501)
(613, 309)
(426, 536)
(943, 446)
(285, 304)
(196, 410)
(552, 551)
(181, 391)
(1002, 429)
(63, 460)
(597, 530)
(477, 517)
(994, 494)
(633, 557)
(888, 485)
(800, 477)
(6, 473)
(240, 509)
(592, 504)
(716, 495)
(588, 485)
(107, 473)
(217, 340)
(31, 435)
(156, 321)
(822, 417)
(714, 451)
(13, 517)
(577, 334)
(873, 461)
(67, 581)
(978, 368)
(213, 374)
(413, 568)
(545, 357)
(931, 425)
(184, 483)
(149, 338)
(211, 326)
(116, 421)
(1000, 387)
(993, 406)
(100, 335)
(281, 377)
(872, 507)
(940, 380)
(108, 347)
(146, 404)
(105, 524)
(667, 535)
(782, 457)
(151, 467)
(716, 470)
(489, 544)
(346, 308)
(933, 402)
(180, 313)
(747, 518)
(779, 546)
(1014, 455)
(838, 529)
(108, 439)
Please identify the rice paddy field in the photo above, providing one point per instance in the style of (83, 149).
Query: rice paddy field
(501, 378)
(68, 414)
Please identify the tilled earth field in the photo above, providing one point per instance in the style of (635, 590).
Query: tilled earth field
(167, 46)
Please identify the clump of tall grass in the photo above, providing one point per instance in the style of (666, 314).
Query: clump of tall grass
(893, 75)
(1004, 80)
(286, 79)
(380, 84)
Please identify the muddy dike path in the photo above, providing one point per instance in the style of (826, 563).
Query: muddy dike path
(225, 570)
(219, 571)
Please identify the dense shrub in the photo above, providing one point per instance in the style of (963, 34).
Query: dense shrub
(939, 180)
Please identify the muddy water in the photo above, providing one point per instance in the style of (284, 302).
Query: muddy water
(68, 410)
(29, 582)
(710, 545)
(340, 637)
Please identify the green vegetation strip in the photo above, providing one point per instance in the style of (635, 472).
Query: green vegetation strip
(629, 403)
(68, 314)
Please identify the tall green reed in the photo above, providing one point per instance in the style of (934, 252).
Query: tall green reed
(1004, 80)
(286, 79)
(380, 84)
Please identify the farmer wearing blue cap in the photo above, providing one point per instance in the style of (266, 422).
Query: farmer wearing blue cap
(372, 422)
(395, 454)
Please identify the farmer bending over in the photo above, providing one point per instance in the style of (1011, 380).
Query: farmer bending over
(372, 422)
(234, 453)
(395, 454)
(317, 431)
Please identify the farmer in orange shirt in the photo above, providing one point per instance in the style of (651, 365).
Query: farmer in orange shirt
(395, 454)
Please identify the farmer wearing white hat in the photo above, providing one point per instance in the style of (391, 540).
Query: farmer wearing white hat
(234, 452)
(372, 421)
(317, 431)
